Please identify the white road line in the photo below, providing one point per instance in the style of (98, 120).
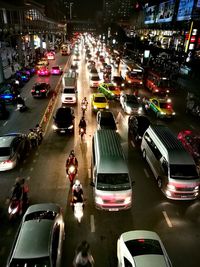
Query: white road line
(31, 169)
(133, 145)
(92, 225)
(36, 153)
(89, 173)
(5, 123)
(167, 219)
(34, 160)
(146, 173)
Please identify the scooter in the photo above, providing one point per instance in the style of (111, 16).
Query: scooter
(14, 209)
(21, 107)
(78, 211)
(82, 132)
(71, 172)
(83, 108)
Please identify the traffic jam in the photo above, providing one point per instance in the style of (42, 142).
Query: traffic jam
(85, 115)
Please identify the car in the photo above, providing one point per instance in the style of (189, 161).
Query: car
(23, 75)
(50, 55)
(7, 94)
(118, 81)
(3, 111)
(43, 71)
(74, 67)
(191, 142)
(130, 104)
(56, 70)
(94, 81)
(137, 125)
(162, 107)
(12, 148)
(106, 120)
(99, 102)
(93, 71)
(110, 90)
(91, 64)
(39, 239)
(141, 248)
(42, 62)
(64, 120)
(40, 89)
(107, 69)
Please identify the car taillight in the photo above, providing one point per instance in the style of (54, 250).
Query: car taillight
(169, 106)
(43, 90)
(32, 91)
(8, 161)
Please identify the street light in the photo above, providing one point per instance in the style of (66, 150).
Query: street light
(70, 10)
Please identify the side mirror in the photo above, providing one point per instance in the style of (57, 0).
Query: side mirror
(92, 184)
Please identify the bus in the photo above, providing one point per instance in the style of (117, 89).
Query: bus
(131, 72)
(157, 82)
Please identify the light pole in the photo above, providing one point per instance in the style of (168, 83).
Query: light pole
(70, 10)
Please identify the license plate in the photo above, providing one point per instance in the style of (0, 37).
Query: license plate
(62, 131)
(113, 209)
(37, 92)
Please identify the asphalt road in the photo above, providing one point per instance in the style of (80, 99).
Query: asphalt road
(177, 222)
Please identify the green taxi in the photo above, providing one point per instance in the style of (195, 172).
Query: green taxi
(110, 90)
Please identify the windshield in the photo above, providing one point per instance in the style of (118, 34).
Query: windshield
(113, 181)
(132, 100)
(142, 246)
(36, 262)
(112, 88)
(100, 100)
(135, 75)
(4, 151)
(183, 171)
(69, 91)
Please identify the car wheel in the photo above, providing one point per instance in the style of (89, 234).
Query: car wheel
(144, 154)
(159, 182)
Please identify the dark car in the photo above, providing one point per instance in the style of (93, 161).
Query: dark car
(8, 94)
(23, 75)
(106, 120)
(137, 125)
(118, 81)
(40, 89)
(3, 111)
(64, 120)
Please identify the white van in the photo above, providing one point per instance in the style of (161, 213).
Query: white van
(173, 167)
(69, 88)
(110, 175)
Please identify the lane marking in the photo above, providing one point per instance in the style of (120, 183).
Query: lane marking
(31, 169)
(133, 145)
(146, 173)
(34, 160)
(5, 123)
(92, 225)
(167, 219)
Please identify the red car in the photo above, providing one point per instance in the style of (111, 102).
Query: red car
(56, 70)
(191, 142)
(43, 71)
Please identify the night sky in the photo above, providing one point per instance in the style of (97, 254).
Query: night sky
(86, 9)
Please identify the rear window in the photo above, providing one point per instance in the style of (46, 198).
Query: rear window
(41, 215)
(141, 246)
(69, 91)
(40, 86)
(35, 262)
(4, 151)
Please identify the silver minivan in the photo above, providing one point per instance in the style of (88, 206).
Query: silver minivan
(110, 175)
(173, 167)
(39, 239)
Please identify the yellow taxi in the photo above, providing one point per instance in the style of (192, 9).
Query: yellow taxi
(99, 102)
(162, 107)
(41, 63)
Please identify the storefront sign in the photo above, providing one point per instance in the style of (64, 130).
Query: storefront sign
(185, 10)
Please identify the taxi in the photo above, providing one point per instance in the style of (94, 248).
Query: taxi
(41, 63)
(50, 55)
(162, 107)
(110, 90)
(99, 102)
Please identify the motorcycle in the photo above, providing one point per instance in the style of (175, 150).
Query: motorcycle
(78, 211)
(83, 108)
(82, 132)
(71, 172)
(15, 208)
(39, 135)
(21, 107)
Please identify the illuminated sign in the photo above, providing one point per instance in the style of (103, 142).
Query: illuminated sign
(165, 11)
(185, 10)
(150, 15)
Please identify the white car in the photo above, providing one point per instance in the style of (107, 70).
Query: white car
(141, 248)
(94, 80)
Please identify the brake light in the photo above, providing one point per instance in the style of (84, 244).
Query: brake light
(8, 161)
(43, 90)
(141, 240)
(33, 90)
(169, 106)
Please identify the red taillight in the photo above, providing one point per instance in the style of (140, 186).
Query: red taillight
(32, 91)
(8, 161)
(141, 240)
(169, 106)
(42, 91)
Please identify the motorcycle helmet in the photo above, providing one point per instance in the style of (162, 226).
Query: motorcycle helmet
(72, 153)
(77, 182)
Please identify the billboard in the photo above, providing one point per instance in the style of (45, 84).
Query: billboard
(196, 11)
(185, 10)
(165, 11)
(150, 14)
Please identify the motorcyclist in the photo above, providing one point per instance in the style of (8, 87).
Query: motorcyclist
(84, 101)
(71, 160)
(39, 132)
(33, 137)
(82, 124)
(77, 192)
(20, 101)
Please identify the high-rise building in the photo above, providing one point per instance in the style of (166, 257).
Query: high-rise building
(117, 10)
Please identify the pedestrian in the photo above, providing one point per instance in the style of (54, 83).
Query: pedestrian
(84, 259)
(32, 136)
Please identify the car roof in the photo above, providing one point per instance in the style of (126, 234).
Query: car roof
(6, 140)
(33, 240)
(43, 207)
(106, 114)
(137, 234)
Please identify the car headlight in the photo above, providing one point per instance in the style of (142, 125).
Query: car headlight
(171, 187)
(162, 113)
(127, 200)
(129, 81)
(95, 107)
(122, 84)
(107, 107)
(54, 127)
(173, 113)
(99, 200)
(196, 187)
(71, 126)
(128, 109)
(140, 82)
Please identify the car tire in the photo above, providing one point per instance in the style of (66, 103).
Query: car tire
(144, 154)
